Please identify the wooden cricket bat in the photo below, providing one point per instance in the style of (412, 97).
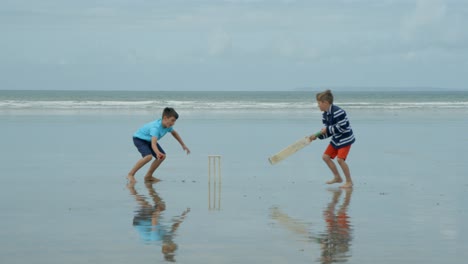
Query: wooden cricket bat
(288, 151)
(291, 149)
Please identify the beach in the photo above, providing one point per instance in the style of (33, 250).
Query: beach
(65, 198)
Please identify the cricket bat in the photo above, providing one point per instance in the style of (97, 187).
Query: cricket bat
(291, 149)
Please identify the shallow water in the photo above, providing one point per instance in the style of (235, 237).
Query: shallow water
(64, 197)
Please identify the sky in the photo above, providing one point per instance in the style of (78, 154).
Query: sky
(234, 45)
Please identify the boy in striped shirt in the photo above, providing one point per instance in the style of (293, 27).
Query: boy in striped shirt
(336, 126)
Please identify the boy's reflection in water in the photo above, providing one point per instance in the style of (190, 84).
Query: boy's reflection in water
(336, 240)
(148, 221)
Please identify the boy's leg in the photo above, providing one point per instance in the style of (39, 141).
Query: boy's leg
(328, 156)
(138, 165)
(341, 157)
(152, 169)
(149, 175)
(144, 147)
(332, 166)
(345, 168)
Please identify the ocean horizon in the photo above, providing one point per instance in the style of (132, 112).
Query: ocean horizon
(227, 101)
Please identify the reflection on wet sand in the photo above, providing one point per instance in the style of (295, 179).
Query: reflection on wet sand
(295, 226)
(214, 194)
(335, 241)
(149, 223)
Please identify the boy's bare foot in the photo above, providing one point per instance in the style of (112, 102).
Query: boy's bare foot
(131, 178)
(347, 185)
(151, 179)
(335, 180)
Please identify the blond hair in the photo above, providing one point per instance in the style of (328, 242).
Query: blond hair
(325, 96)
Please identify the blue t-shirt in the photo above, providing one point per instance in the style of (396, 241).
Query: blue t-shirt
(153, 129)
(149, 232)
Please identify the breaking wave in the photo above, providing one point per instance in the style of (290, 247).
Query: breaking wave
(217, 105)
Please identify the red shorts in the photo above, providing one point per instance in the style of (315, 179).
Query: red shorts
(341, 153)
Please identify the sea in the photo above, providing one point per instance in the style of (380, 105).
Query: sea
(283, 101)
(65, 155)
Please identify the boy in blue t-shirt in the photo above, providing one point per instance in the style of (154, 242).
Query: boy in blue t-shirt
(146, 141)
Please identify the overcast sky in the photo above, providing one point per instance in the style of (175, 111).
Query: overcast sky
(232, 44)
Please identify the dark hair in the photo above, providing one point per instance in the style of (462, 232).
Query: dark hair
(326, 96)
(170, 112)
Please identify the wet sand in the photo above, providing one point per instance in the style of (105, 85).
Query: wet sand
(64, 196)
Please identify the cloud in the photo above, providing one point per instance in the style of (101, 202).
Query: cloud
(426, 16)
(272, 35)
(435, 23)
(219, 42)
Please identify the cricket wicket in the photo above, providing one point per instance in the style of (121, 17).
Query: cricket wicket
(214, 172)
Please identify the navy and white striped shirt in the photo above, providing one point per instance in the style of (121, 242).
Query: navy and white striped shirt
(338, 127)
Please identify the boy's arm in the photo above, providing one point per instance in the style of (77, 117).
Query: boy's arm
(154, 146)
(179, 221)
(340, 126)
(315, 136)
(323, 134)
(181, 142)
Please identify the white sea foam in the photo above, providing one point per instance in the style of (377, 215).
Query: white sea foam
(405, 105)
(228, 105)
(216, 105)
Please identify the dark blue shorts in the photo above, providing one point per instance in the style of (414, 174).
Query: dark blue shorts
(144, 147)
